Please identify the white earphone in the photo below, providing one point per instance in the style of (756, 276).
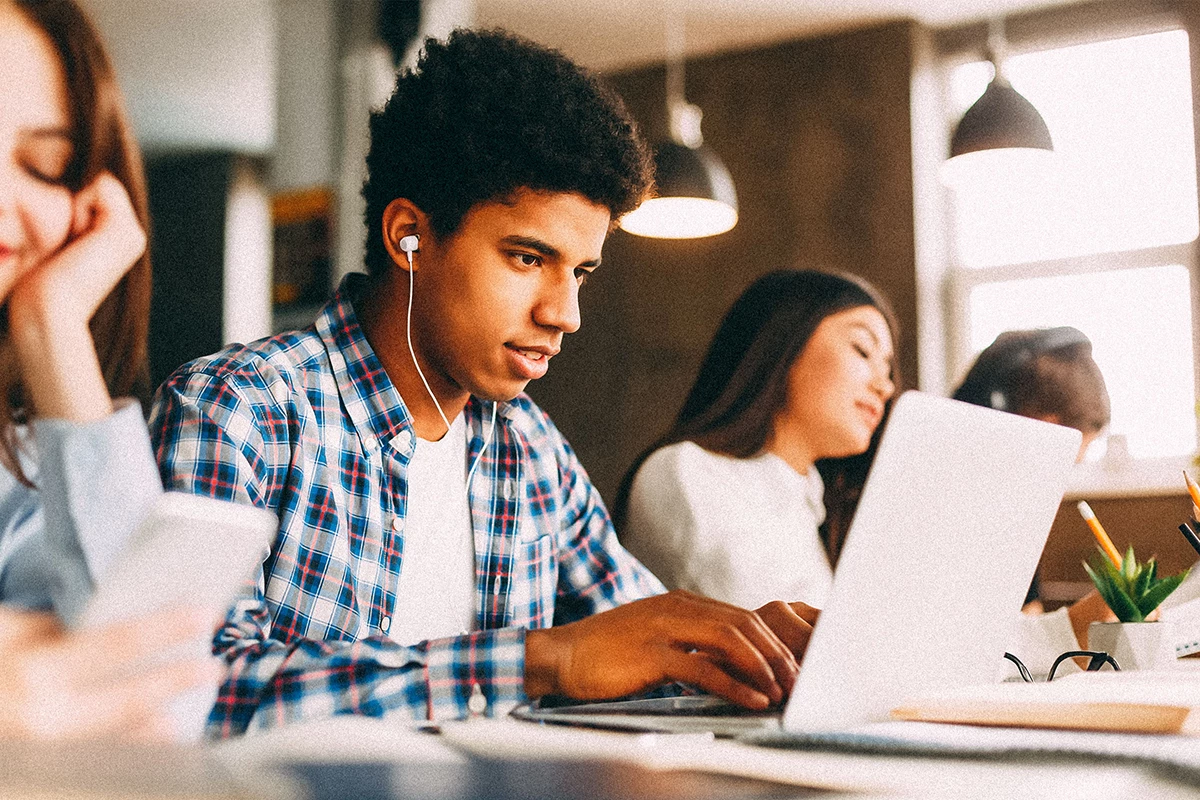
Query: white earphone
(409, 245)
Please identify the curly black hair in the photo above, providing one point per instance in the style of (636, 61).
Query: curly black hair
(486, 113)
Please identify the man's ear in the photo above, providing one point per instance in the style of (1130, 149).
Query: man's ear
(402, 218)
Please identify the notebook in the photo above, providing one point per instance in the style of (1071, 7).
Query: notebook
(948, 533)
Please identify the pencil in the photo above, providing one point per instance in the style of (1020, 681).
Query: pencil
(1193, 489)
(1106, 544)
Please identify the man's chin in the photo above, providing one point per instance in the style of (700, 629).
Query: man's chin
(499, 391)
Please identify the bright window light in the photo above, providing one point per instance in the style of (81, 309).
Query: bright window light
(1124, 173)
(1096, 235)
(1140, 324)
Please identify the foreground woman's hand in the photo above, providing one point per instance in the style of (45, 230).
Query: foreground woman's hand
(49, 306)
(114, 681)
(679, 636)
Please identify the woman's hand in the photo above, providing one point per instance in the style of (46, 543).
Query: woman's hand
(115, 681)
(106, 240)
(50, 306)
(1086, 610)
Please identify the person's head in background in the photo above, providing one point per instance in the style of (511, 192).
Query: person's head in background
(1047, 374)
(803, 365)
(62, 126)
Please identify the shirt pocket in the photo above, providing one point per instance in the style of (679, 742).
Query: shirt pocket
(535, 581)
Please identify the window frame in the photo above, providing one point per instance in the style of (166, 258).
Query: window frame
(1107, 477)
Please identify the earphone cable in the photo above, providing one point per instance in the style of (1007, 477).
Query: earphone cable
(486, 441)
(408, 336)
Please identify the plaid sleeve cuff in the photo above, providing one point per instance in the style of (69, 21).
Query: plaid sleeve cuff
(481, 673)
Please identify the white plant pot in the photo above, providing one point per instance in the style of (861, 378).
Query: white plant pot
(1135, 645)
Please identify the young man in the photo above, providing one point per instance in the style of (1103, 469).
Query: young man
(441, 551)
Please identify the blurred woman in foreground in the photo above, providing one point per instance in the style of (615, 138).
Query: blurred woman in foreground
(78, 474)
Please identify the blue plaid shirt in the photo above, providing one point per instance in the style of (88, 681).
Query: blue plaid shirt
(308, 425)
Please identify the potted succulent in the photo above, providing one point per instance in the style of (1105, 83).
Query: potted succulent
(1132, 592)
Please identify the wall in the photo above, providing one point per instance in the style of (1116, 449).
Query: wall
(1149, 523)
(816, 135)
(196, 74)
(307, 95)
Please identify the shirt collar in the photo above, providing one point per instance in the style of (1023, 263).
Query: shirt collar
(369, 396)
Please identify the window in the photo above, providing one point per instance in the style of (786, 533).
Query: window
(1099, 236)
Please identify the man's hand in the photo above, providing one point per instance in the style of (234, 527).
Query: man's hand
(791, 622)
(679, 636)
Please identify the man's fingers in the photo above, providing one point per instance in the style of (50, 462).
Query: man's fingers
(787, 624)
(765, 639)
(698, 670)
(726, 642)
(805, 612)
(780, 659)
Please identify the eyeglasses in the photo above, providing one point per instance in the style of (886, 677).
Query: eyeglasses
(1096, 660)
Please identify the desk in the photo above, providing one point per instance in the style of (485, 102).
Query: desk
(486, 760)
(530, 780)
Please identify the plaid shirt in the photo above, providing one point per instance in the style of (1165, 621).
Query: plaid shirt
(308, 425)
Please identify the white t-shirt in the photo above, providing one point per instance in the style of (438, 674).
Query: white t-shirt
(741, 530)
(435, 596)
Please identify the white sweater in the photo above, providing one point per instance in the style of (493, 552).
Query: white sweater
(741, 530)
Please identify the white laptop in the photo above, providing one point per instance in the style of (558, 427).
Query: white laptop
(946, 538)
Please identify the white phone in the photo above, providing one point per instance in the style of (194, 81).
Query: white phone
(191, 550)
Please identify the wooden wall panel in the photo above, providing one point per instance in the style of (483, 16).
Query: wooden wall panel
(816, 135)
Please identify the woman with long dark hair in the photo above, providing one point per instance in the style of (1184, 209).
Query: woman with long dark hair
(749, 494)
(77, 473)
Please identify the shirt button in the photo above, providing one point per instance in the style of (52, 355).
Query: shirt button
(386, 624)
(405, 440)
(397, 523)
(477, 704)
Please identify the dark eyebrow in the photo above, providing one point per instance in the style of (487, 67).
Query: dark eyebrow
(547, 251)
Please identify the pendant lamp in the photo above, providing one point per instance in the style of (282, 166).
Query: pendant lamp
(1002, 130)
(694, 194)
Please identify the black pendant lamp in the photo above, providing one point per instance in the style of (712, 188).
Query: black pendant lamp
(694, 194)
(1001, 123)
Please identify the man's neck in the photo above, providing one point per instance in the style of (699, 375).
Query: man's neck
(385, 331)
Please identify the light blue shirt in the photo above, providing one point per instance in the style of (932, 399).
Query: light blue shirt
(94, 483)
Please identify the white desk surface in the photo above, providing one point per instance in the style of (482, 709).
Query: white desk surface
(249, 768)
